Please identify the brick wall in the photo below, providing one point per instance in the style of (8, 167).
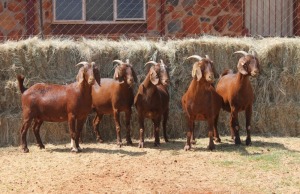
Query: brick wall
(216, 17)
(12, 19)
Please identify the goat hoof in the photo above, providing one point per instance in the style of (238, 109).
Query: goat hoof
(217, 140)
(248, 142)
(141, 145)
(25, 150)
(193, 142)
(41, 146)
(211, 147)
(187, 147)
(119, 144)
(237, 141)
(166, 140)
(75, 150)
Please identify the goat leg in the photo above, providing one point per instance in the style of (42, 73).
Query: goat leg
(80, 124)
(24, 129)
(216, 133)
(36, 130)
(193, 138)
(71, 121)
(118, 127)
(189, 134)
(128, 135)
(235, 126)
(165, 119)
(248, 114)
(141, 122)
(156, 132)
(211, 145)
(96, 123)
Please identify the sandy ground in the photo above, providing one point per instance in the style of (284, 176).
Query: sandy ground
(270, 165)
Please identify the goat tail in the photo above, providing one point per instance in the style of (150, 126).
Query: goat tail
(20, 82)
(226, 72)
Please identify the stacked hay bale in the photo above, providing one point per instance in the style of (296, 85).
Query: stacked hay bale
(276, 109)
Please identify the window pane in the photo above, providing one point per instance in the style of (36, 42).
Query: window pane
(68, 9)
(130, 9)
(99, 10)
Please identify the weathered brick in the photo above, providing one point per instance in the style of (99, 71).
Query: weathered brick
(177, 14)
(204, 3)
(7, 21)
(191, 25)
(15, 7)
(15, 34)
(20, 17)
(151, 13)
(220, 23)
(47, 5)
(174, 26)
(206, 27)
(198, 10)
(169, 8)
(214, 11)
(236, 23)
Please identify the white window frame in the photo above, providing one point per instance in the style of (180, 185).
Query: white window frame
(114, 21)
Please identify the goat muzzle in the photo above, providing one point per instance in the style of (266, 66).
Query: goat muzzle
(91, 80)
(254, 73)
(210, 78)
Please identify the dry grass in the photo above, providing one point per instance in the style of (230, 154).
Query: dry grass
(270, 165)
(276, 109)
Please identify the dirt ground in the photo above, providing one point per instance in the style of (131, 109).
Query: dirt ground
(270, 165)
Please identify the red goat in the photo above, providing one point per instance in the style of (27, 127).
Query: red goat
(237, 93)
(57, 103)
(114, 96)
(152, 100)
(201, 101)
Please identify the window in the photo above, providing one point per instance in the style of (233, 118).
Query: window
(98, 11)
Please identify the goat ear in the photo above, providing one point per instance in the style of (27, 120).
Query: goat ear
(241, 68)
(196, 72)
(116, 74)
(80, 76)
(153, 77)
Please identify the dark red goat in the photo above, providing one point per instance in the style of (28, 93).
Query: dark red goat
(201, 101)
(115, 96)
(152, 100)
(57, 103)
(237, 93)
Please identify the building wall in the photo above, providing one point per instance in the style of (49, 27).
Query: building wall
(12, 19)
(179, 18)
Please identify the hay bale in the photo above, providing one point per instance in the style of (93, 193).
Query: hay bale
(52, 61)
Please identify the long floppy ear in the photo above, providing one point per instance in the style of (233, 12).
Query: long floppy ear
(196, 72)
(80, 76)
(153, 76)
(240, 66)
(116, 74)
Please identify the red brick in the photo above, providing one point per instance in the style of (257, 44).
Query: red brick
(236, 24)
(191, 25)
(7, 21)
(151, 13)
(15, 7)
(236, 5)
(204, 3)
(198, 10)
(47, 5)
(214, 11)
(177, 14)
(220, 23)
(153, 2)
(1, 7)
(20, 17)
(15, 34)
(169, 8)
(224, 5)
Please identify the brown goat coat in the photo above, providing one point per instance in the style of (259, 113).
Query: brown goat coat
(152, 101)
(201, 102)
(113, 97)
(57, 103)
(237, 93)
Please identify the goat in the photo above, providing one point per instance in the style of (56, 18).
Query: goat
(114, 96)
(237, 93)
(201, 101)
(152, 100)
(57, 103)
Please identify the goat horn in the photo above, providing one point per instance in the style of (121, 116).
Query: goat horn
(162, 62)
(127, 61)
(150, 62)
(253, 52)
(82, 63)
(206, 56)
(195, 57)
(241, 52)
(118, 61)
(93, 63)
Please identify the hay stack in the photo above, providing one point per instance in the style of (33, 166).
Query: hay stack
(276, 109)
